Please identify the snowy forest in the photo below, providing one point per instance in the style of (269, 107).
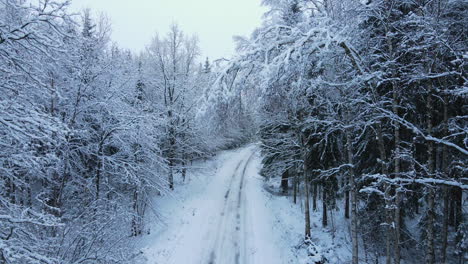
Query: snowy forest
(351, 117)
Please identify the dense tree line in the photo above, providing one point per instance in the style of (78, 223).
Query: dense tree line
(88, 132)
(364, 103)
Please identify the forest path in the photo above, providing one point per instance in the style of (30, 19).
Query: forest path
(228, 221)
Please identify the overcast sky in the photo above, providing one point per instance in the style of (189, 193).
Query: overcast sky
(134, 23)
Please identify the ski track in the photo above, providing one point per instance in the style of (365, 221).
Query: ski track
(227, 222)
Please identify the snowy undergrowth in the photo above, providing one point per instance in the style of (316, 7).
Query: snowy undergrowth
(331, 244)
(172, 210)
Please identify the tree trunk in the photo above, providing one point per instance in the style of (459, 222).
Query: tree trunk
(354, 235)
(135, 214)
(284, 182)
(98, 180)
(98, 170)
(430, 228)
(184, 170)
(430, 257)
(445, 226)
(307, 207)
(397, 217)
(28, 199)
(172, 143)
(445, 167)
(397, 227)
(324, 208)
(314, 197)
(457, 204)
(346, 208)
(387, 187)
(12, 191)
(171, 175)
(295, 188)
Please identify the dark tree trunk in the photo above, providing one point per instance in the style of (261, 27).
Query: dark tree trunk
(284, 182)
(307, 206)
(445, 226)
(184, 170)
(98, 170)
(387, 187)
(353, 190)
(172, 145)
(430, 255)
(171, 174)
(296, 182)
(324, 209)
(314, 199)
(445, 167)
(457, 207)
(12, 192)
(346, 207)
(135, 227)
(28, 194)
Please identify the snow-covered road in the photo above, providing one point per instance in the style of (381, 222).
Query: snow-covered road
(225, 219)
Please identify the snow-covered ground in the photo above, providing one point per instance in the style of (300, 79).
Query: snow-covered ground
(223, 215)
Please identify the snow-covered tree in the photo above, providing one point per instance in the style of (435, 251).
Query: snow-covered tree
(366, 94)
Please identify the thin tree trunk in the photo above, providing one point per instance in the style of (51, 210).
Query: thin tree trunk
(172, 143)
(184, 170)
(295, 188)
(451, 216)
(171, 175)
(314, 197)
(397, 217)
(430, 257)
(446, 190)
(354, 235)
(445, 226)
(28, 191)
(397, 226)
(388, 211)
(396, 163)
(324, 208)
(98, 172)
(389, 222)
(458, 196)
(12, 192)
(284, 182)
(98, 179)
(307, 207)
(346, 208)
(135, 214)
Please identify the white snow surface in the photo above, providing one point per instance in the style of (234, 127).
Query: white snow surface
(223, 215)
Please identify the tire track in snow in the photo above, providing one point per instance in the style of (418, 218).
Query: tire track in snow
(239, 234)
(233, 222)
(212, 256)
(242, 223)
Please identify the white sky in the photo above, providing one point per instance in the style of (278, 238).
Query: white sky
(134, 23)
